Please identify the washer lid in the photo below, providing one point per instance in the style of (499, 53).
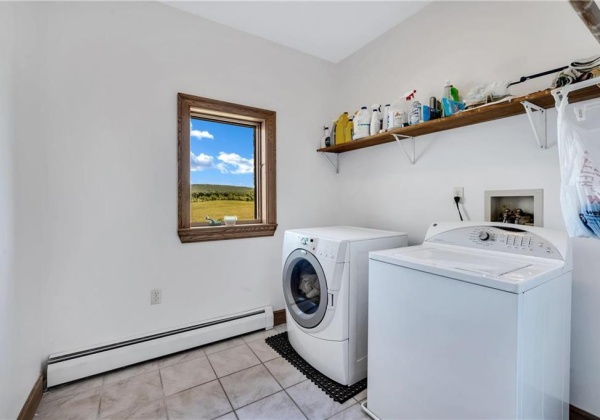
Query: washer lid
(486, 268)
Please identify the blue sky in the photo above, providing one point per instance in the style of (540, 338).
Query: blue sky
(221, 154)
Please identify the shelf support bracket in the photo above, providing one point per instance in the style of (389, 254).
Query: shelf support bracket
(537, 119)
(335, 166)
(412, 157)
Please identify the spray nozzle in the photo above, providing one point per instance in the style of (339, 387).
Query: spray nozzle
(410, 95)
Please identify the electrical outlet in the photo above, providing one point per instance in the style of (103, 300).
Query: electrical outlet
(459, 192)
(155, 296)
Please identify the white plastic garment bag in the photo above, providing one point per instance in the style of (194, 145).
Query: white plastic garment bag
(579, 155)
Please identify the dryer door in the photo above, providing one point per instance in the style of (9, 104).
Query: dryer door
(305, 288)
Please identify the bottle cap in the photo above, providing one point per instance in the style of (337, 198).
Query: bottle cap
(364, 107)
(388, 105)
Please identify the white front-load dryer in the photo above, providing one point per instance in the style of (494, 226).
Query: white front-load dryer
(325, 288)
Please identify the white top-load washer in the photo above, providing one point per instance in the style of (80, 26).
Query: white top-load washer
(473, 324)
(325, 287)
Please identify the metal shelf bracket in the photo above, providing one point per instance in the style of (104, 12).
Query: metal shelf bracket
(335, 166)
(412, 157)
(537, 119)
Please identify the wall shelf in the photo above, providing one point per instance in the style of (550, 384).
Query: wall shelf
(514, 106)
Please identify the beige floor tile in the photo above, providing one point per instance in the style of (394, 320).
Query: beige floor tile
(263, 351)
(228, 416)
(73, 388)
(223, 345)
(249, 385)
(155, 410)
(130, 372)
(206, 401)
(137, 391)
(180, 357)
(353, 413)
(186, 375)
(233, 360)
(286, 374)
(361, 396)
(259, 335)
(83, 405)
(281, 327)
(276, 407)
(314, 403)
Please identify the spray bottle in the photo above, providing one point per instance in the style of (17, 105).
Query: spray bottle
(408, 98)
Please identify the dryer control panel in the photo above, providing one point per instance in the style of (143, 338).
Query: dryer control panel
(321, 248)
(499, 238)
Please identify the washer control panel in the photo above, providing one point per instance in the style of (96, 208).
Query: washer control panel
(322, 248)
(495, 238)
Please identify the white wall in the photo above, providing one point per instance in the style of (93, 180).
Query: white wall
(490, 41)
(94, 164)
(21, 245)
(110, 75)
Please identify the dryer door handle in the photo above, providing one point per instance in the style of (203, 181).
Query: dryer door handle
(330, 300)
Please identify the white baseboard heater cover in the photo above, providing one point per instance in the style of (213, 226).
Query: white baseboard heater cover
(69, 366)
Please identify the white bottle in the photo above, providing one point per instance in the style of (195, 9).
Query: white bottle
(375, 120)
(362, 123)
(386, 110)
(395, 113)
(325, 140)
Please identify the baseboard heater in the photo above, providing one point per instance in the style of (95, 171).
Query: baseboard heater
(69, 366)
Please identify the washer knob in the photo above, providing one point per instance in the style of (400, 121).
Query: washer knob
(484, 236)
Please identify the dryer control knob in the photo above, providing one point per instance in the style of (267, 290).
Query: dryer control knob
(484, 236)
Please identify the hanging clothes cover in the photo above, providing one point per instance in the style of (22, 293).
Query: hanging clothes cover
(579, 155)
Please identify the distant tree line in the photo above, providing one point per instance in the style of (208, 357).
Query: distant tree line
(228, 195)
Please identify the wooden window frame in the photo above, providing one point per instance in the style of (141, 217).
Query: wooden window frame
(188, 107)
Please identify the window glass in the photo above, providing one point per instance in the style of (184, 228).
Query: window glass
(305, 286)
(222, 171)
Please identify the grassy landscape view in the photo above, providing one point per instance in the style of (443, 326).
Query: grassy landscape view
(217, 201)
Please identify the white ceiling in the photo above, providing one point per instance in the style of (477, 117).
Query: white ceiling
(331, 30)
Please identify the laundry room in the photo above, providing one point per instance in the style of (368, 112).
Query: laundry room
(237, 284)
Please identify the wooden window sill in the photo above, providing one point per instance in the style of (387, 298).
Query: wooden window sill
(220, 233)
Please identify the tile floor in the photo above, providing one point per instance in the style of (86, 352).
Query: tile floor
(240, 378)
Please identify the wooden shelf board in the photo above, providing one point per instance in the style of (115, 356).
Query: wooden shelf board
(543, 99)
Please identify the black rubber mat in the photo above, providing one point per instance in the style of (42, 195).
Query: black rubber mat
(339, 393)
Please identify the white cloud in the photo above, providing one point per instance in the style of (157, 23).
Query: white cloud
(201, 134)
(234, 163)
(201, 162)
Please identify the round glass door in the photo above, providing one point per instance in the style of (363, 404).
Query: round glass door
(305, 288)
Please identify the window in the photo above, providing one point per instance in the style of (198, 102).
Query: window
(226, 168)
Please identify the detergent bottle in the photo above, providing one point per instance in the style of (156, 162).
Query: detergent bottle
(340, 128)
(394, 114)
(349, 129)
(362, 123)
(384, 117)
(375, 119)
(326, 139)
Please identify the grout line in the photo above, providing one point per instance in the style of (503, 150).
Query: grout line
(281, 385)
(220, 384)
(294, 401)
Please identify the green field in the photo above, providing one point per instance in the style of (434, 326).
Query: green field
(244, 210)
(217, 201)
(220, 189)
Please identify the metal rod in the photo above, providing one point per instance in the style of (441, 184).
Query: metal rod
(533, 76)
